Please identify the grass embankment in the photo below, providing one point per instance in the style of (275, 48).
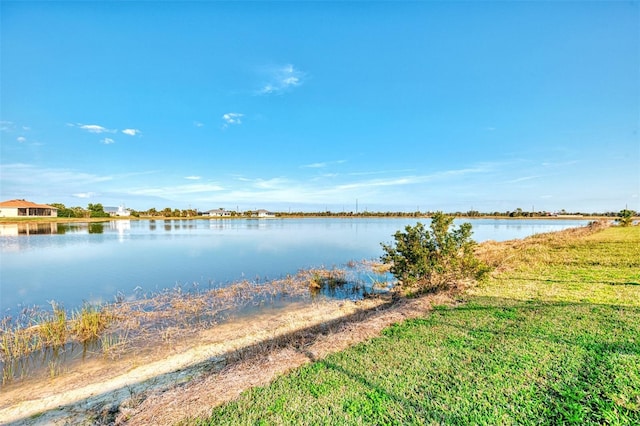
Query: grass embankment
(553, 337)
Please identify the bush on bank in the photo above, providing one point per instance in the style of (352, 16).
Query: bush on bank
(435, 258)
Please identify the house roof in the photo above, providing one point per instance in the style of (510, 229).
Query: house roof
(24, 204)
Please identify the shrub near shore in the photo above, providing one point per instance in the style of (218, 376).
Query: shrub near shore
(551, 337)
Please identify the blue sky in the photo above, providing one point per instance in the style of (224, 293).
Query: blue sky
(310, 106)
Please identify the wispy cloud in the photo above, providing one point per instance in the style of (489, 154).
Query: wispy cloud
(28, 180)
(321, 164)
(178, 192)
(29, 174)
(560, 164)
(381, 172)
(524, 179)
(131, 132)
(198, 124)
(281, 79)
(232, 118)
(270, 183)
(7, 126)
(85, 194)
(326, 189)
(96, 128)
(416, 179)
(107, 141)
(21, 139)
(314, 166)
(93, 128)
(192, 177)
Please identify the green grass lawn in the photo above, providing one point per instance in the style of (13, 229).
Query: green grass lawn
(553, 338)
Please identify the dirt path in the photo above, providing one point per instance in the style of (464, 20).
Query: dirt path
(189, 378)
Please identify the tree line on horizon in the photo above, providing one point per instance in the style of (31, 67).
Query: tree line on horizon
(96, 210)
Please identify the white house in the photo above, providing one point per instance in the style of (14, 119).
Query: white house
(117, 211)
(265, 213)
(217, 213)
(24, 208)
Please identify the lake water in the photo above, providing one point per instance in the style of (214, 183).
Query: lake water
(73, 263)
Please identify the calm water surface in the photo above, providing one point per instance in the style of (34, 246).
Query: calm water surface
(95, 262)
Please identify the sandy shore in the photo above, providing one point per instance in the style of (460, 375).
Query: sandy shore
(214, 366)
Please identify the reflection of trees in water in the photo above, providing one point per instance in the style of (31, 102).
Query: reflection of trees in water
(96, 228)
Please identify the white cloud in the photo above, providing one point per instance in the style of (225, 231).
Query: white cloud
(272, 183)
(232, 118)
(131, 132)
(21, 180)
(94, 128)
(21, 139)
(27, 171)
(281, 79)
(314, 166)
(192, 177)
(524, 178)
(321, 164)
(198, 124)
(84, 194)
(7, 126)
(560, 163)
(107, 141)
(178, 192)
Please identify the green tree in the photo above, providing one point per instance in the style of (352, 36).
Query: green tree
(625, 217)
(97, 210)
(433, 259)
(516, 213)
(63, 211)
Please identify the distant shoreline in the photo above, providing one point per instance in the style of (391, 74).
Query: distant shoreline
(12, 220)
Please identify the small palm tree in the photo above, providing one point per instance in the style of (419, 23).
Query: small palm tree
(625, 217)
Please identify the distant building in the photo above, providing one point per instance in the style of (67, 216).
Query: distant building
(265, 213)
(217, 213)
(24, 208)
(117, 211)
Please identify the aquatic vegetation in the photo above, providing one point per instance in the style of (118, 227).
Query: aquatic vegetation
(40, 338)
(324, 278)
(89, 322)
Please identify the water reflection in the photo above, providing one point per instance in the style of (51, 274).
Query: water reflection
(77, 262)
(121, 227)
(15, 229)
(96, 228)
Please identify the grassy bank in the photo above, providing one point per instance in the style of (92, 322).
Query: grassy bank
(552, 338)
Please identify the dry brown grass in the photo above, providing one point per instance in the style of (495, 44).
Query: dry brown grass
(509, 255)
(262, 363)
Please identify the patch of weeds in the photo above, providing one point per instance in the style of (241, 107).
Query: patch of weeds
(506, 313)
(89, 322)
(372, 408)
(327, 279)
